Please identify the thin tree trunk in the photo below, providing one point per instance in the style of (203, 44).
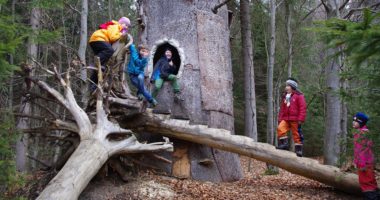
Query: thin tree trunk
(58, 149)
(290, 37)
(11, 61)
(344, 115)
(82, 50)
(272, 46)
(110, 9)
(25, 108)
(333, 128)
(249, 75)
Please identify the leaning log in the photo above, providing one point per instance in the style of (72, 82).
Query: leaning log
(222, 139)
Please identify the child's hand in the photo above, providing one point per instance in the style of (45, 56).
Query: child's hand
(363, 169)
(145, 54)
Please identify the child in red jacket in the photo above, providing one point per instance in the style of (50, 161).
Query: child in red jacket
(364, 157)
(292, 115)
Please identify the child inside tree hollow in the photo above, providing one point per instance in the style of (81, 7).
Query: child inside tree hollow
(165, 70)
(364, 158)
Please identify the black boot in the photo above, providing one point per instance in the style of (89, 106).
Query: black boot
(283, 144)
(371, 195)
(298, 149)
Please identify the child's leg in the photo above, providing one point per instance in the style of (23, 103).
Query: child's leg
(295, 133)
(134, 81)
(283, 129)
(141, 88)
(367, 178)
(157, 86)
(103, 50)
(174, 81)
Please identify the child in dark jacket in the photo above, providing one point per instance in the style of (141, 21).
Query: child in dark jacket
(364, 158)
(136, 67)
(292, 115)
(165, 70)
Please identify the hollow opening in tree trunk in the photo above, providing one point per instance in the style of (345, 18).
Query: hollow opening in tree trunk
(158, 50)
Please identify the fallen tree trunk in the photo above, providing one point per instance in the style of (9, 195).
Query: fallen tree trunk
(96, 142)
(222, 139)
(83, 164)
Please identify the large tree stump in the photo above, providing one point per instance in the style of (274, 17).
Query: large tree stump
(200, 42)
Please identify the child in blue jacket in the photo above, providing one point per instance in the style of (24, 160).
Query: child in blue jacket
(136, 67)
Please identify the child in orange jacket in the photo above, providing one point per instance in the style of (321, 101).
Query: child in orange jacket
(102, 39)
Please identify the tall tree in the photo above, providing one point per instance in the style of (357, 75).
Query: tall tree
(333, 125)
(82, 47)
(271, 59)
(249, 74)
(25, 108)
(289, 33)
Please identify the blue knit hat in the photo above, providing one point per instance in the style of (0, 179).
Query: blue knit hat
(361, 118)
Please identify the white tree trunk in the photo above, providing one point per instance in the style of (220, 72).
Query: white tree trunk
(82, 49)
(83, 164)
(290, 37)
(249, 74)
(272, 49)
(333, 127)
(25, 108)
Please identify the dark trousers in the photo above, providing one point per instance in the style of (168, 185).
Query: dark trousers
(138, 82)
(104, 51)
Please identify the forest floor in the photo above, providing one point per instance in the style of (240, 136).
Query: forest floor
(255, 185)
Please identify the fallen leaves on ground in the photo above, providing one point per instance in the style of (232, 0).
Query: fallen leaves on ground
(255, 185)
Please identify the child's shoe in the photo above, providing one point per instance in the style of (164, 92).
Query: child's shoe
(140, 97)
(153, 103)
(283, 144)
(178, 97)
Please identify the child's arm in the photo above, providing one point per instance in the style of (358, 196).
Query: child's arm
(134, 54)
(139, 62)
(302, 107)
(164, 71)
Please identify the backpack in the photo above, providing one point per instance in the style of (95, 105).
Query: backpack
(105, 25)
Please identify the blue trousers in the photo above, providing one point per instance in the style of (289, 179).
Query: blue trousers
(138, 82)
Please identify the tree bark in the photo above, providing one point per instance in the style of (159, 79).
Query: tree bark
(205, 75)
(333, 128)
(222, 139)
(82, 50)
(83, 164)
(271, 59)
(290, 36)
(249, 74)
(25, 108)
